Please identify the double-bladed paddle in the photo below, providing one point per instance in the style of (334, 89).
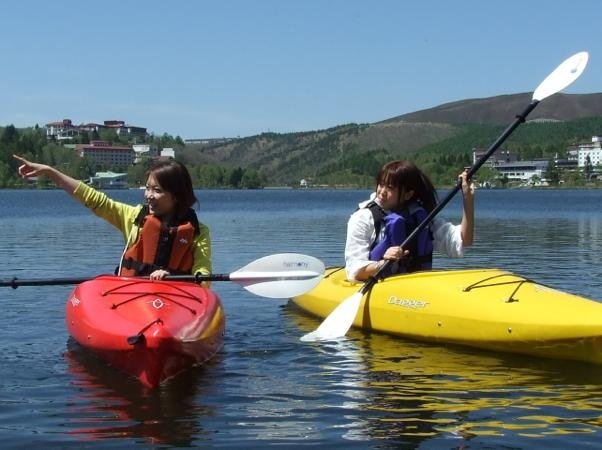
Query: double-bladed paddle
(282, 275)
(341, 318)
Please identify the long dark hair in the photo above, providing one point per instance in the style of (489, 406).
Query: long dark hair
(406, 176)
(173, 177)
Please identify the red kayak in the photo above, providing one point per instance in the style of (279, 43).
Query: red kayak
(151, 330)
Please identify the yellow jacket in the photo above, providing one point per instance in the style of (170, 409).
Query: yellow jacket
(122, 216)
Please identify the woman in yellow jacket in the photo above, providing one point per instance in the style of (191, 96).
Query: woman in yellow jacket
(163, 236)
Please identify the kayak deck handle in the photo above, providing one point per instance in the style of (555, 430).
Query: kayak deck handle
(139, 337)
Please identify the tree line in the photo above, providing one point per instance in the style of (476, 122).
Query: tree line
(32, 144)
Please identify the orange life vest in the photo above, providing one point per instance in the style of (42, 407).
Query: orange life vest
(159, 247)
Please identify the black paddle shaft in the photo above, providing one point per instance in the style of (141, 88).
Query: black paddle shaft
(16, 282)
(426, 222)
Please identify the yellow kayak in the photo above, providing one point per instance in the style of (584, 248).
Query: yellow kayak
(485, 308)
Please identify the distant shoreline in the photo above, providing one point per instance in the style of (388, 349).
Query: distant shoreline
(320, 188)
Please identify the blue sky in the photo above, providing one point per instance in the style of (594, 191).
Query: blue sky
(238, 68)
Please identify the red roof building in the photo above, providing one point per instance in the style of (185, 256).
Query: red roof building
(105, 154)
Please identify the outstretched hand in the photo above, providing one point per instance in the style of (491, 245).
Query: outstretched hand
(28, 169)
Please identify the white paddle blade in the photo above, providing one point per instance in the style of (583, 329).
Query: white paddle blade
(278, 284)
(338, 321)
(567, 72)
(282, 275)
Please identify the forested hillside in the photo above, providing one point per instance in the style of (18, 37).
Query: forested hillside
(351, 154)
(440, 140)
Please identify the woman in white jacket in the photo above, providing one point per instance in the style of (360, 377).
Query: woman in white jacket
(400, 186)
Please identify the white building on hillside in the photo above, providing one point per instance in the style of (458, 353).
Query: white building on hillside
(168, 152)
(67, 130)
(143, 151)
(593, 150)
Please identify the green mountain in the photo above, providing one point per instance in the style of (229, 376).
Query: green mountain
(444, 135)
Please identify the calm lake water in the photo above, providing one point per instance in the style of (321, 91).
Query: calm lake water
(266, 388)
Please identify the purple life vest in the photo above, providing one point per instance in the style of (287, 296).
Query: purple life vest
(397, 227)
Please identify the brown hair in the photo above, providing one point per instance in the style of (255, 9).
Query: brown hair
(173, 177)
(406, 176)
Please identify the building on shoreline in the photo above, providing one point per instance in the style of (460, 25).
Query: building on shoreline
(584, 156)
(523, 171)
(108, 180)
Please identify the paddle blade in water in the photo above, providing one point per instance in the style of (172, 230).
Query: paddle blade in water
(338, 321)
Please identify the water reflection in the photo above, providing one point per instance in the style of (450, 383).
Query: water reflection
(409, 392)
(106, 404)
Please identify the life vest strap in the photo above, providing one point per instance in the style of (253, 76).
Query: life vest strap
(143, 269)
